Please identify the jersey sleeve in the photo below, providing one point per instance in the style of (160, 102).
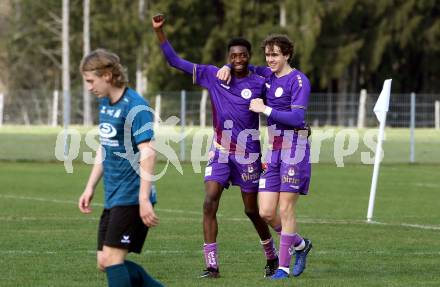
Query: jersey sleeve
(174, 60)
(142, 127)
(300, 92)
(262, 71)
(204, 75)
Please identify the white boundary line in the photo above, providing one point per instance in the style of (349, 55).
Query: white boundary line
(301, 220)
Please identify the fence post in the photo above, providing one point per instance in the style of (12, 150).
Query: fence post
(55, 96)
(361, 110)
(157, 108)
(203, 108)
(437, 115)
(182, 123)
(412, 126)
(2, 101)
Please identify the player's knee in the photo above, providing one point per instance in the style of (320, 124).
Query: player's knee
(251, 213)
(106, 260)
(267, 215)
(210, 206)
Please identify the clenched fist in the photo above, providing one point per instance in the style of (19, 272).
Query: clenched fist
(257, 106)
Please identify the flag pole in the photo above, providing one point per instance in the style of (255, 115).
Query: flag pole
(380, 109)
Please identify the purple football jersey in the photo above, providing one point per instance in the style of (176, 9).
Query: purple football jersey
(235, 126)
(284, 94)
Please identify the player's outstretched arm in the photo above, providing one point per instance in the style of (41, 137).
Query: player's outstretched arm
(147, 161)
(95, 175)
(170, 55)
(157, 21)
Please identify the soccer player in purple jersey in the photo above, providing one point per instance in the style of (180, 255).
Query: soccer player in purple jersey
(235, 153)
(288, 165)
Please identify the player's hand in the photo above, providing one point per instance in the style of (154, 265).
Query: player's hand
(85, 200)
(257, 105)
(224, 74)
(158, 21)
(147, 214)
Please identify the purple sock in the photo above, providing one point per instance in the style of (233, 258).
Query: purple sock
(286, 241)
(277, 229)
(210, 251)
(269, 249)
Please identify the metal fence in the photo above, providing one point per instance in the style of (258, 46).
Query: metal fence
(38, 107)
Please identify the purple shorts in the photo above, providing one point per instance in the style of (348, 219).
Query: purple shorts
(226, 169)
(286, 172)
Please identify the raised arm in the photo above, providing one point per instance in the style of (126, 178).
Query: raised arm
(170, 55)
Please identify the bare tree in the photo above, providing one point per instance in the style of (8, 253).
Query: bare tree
(87, 107)
(66, 70)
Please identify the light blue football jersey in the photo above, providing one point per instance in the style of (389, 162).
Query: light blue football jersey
(122, 126)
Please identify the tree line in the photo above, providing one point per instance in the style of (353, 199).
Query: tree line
(342, 45)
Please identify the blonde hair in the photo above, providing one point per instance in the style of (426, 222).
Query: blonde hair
(101, 61)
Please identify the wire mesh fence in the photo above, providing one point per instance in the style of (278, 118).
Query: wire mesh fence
(334, 116)
(39, 107)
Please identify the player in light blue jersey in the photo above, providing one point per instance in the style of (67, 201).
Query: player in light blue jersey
(126, 160)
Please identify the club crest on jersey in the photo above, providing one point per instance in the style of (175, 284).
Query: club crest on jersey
(291, 171)
(246, 94)
(106, 130)
(279, 92)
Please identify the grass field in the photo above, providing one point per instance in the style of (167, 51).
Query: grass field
(45, 241)
(37, 143)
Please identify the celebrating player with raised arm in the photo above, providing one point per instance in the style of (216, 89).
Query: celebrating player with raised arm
(127, 170)
(288, 159)
(235, 152)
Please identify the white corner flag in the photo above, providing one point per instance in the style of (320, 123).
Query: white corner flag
(380, 109)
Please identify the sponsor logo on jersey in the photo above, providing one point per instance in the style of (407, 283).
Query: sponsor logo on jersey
(279, 92)
(246, 94)
(107, 130)
(291, 171)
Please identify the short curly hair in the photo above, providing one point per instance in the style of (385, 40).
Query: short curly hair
(100, 61)
(287, 47)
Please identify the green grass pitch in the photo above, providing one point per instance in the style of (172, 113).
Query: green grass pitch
(45, 241)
